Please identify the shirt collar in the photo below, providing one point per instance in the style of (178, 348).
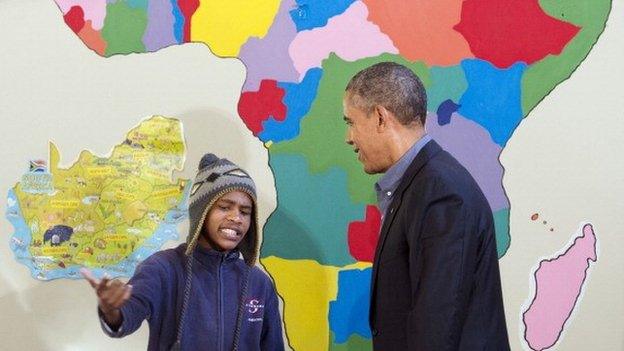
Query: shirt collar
(391, 179)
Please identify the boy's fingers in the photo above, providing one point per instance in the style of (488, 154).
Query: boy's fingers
(108, 290)
(104, 284)
(127, 292)
(111, 293)
(117, 291)
(89, 278)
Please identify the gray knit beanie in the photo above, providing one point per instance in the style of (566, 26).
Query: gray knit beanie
(215, 178)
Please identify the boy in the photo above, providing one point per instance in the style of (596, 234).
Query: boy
(201, 295)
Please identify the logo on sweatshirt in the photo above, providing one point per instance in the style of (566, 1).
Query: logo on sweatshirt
(254, 307)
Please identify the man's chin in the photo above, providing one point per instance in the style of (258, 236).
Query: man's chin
(371, 170)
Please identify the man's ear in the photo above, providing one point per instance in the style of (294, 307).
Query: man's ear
(382, 116)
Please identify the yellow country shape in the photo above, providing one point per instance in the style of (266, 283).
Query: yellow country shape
(225, 25)
(307, 287)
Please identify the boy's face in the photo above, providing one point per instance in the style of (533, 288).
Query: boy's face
(228, 221)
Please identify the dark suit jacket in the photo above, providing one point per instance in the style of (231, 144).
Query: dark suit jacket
(436, 283)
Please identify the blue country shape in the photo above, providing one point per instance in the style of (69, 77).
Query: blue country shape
(493, 97)
(445, 110)
(348, 314)
(178, 24)
(298, 100)
(313, 213)
(312, 14)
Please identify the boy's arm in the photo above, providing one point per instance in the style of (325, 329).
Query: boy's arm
(120, 314)
(272, 338)
(111, 295)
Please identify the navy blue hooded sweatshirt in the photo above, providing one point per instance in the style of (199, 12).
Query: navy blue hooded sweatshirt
(213, 303)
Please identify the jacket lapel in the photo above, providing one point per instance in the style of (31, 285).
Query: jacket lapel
(427, 152)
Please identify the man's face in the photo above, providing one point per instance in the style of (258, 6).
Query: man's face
(363, 133)
(228, 221)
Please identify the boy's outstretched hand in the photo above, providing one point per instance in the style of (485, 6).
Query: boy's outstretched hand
(112, 294)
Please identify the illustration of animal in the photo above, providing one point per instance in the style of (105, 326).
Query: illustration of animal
(58, 234)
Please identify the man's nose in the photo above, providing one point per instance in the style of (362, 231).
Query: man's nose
(348, 138)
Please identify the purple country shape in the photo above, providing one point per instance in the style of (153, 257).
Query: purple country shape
(268, 58)
(160, 24)
(474, 148)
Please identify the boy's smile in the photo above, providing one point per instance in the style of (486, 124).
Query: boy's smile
(227, 221)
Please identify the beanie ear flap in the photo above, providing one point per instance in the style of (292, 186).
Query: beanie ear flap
(249, 246)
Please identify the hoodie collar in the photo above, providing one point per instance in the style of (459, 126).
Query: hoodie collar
(210, 257)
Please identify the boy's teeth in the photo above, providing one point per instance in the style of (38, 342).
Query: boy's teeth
(229, 231)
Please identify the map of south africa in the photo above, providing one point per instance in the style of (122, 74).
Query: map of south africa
(485, 64)
(102, 212)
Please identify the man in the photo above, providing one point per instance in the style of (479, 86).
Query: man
(435, 283)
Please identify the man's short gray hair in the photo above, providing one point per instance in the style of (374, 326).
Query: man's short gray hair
(392, 86)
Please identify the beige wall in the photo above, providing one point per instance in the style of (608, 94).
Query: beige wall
(59, 90)
(564, 161)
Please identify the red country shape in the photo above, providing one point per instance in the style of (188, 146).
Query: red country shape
(74, 18)
(363, 236)
(255, 107)
(188, 8)
(507, 31)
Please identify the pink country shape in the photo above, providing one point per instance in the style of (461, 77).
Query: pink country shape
(350, 35)
(558, 284)
(94, 10)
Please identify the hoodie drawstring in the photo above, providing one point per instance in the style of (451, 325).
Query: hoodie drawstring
(187, 293)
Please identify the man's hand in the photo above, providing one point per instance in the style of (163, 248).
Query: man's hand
(112, 294)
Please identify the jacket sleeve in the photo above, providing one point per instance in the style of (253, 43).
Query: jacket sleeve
(440, 273)
(272, 338)
(146, 296)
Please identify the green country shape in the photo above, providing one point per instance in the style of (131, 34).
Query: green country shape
(541, 78)
(138, 3)
(312, 216)
(447, 83)
(501, 226)
(123, 29)
(322, 137)
(354, 343)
